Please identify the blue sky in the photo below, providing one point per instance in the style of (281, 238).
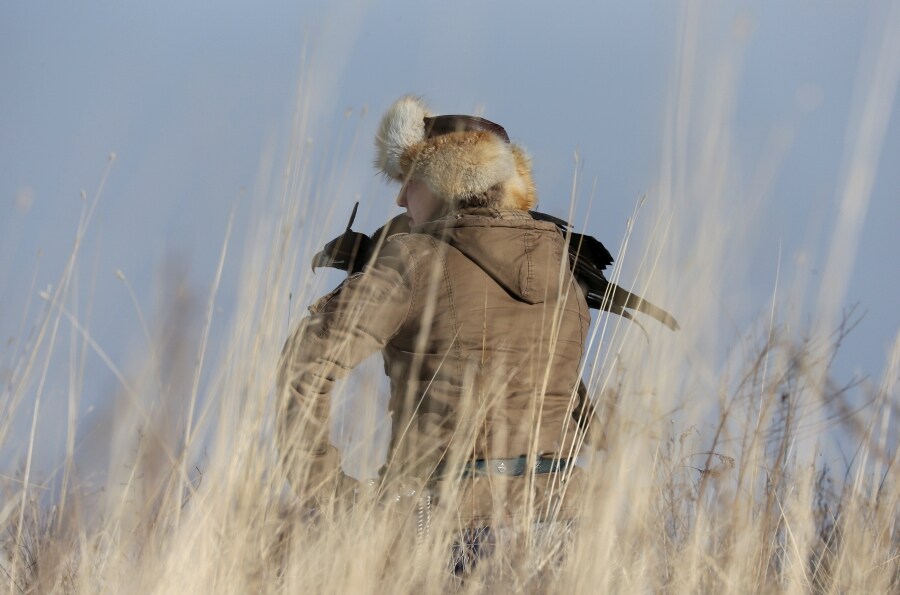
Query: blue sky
(191, 98)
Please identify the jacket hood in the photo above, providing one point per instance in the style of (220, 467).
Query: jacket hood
(522, 255)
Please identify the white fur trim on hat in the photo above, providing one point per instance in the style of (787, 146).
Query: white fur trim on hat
(401, 127)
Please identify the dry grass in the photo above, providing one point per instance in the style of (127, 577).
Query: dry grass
(678, 503)
(714, 479)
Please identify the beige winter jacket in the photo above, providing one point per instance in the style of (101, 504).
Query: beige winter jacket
(482, 329)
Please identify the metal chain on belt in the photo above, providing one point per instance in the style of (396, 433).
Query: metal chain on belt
(423, 514)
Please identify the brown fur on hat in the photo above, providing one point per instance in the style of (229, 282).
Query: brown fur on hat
(473, 167)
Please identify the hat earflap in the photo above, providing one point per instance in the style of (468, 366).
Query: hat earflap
(475, 167)
(402, 126)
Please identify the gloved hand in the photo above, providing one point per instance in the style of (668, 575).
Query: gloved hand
(586, 415)
(319, 482)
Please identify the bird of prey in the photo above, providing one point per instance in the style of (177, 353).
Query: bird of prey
(588, 258)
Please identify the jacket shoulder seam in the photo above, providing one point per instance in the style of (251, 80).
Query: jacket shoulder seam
(410, 277)
(448, 282)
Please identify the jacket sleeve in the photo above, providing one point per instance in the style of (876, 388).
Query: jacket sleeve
(343, 328)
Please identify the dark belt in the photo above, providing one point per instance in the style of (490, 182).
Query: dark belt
(504, 467)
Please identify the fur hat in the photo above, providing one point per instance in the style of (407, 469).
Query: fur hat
(464, 160)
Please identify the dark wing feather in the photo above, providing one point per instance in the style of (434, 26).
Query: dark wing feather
(348, 252)
(621, 299)
(352, 251)
(589, 258)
